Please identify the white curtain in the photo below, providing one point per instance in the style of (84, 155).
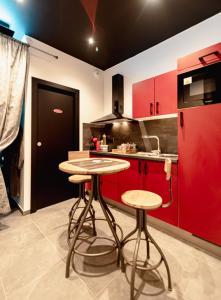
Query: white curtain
(13, 66)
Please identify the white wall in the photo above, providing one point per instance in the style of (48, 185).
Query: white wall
(67, 71)
(161, 58)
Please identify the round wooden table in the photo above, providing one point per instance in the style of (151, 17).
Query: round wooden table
(94, 167)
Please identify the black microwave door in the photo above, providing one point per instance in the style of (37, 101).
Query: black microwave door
(200, 87)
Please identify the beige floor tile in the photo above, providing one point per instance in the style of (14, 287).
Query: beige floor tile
(59, 239)
(96, 272)
(26, 264)
(149, 286)
(16, 238)
(14, 220)
(53, 285)
(2, 293)
(48, 221)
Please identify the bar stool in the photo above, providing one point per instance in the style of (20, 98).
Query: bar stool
(82, 200)
(144, 201)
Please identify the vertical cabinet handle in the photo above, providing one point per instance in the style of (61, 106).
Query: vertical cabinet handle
(181, 119)
(157, 107)
(145, 168)
(151, 108)
(139, 167)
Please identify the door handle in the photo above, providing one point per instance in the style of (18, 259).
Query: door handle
(181, 119)
(145, 168)
(157, 107)
(151, 108)
(39, 144)
(139, 167)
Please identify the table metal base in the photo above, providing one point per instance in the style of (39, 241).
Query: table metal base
(109, 218)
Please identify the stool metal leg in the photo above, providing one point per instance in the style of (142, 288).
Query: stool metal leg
(163, 258)
(141, 226)
(146, 234)
(110, 220)
(128, 236)
(73, 222)
(91, 211)
(135, 255)
(78, 230)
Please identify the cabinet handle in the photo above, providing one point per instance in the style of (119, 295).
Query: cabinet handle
(201, 58)
(181, 119)
(139, 167)
(157, 107)
(151, 108)
(145, 168)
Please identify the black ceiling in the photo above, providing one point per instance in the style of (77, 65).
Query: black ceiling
(123, 27)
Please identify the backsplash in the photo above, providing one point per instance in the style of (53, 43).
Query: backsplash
(133, 132)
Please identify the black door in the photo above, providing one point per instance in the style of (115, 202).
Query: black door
(55, 131)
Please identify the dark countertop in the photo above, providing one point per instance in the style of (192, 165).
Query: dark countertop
(135, 155)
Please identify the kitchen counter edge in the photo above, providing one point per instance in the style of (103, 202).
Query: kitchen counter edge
(136, 156)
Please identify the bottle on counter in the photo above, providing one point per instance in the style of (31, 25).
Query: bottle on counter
(104, 139)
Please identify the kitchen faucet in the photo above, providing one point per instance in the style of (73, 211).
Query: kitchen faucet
(158, 142)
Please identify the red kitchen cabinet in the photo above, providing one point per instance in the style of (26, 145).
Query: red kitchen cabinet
(129, 179)
(154, 180)
(155, 96)
(199, 149)
(109, 187)
(144, 174)
(166, 93)
(199, 59)
(143, 98)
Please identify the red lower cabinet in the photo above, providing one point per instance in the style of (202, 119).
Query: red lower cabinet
(129, 179)
(154, 180)
(144, 175)
(109, 187)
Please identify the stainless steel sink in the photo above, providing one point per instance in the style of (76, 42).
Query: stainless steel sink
(168, 155)
(151, 154)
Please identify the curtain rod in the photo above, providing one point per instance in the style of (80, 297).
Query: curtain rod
(28, 45)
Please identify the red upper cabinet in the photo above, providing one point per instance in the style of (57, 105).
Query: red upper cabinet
(143, 98)
(166, 93)
(199, 59)
(155, 96)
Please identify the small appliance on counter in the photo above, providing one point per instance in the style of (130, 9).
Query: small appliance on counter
(125, 148)
(104, 148)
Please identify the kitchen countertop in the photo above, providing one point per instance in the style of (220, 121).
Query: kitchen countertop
(134, 155)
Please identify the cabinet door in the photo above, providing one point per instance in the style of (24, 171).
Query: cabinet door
(109, 186)
(130, 179)
(199, 149)
(154, 180)
(200, 58)
(143, 98)
(166, 93)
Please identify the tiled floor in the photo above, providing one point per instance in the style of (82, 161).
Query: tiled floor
(32, 263)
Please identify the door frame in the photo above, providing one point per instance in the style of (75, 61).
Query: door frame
(36, 83)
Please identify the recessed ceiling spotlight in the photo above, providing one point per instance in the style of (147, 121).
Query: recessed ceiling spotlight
(96, 49)
(20, 1)
(91, 40)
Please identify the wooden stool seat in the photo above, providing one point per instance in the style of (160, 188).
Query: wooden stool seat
(79, 178)
(142, 199)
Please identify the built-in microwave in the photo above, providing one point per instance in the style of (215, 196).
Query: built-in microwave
(200, 87)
